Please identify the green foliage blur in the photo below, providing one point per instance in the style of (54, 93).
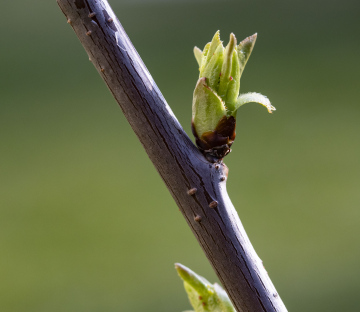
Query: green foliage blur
(86, 223)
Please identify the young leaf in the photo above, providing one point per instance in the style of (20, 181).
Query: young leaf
(212, 68)
(227, 67)
(215, 42)
(204, 56)
(234, 83)
(203, 296)
(244, 50)
(198, 55)
(256, 98)
(208, 108)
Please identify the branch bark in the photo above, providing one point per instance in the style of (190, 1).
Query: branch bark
(208, 209)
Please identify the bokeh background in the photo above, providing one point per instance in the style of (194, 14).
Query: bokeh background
(86, 223)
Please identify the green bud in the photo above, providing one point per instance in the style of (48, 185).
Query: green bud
(216, 95)
(204, 296)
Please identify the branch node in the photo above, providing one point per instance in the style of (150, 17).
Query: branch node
(213, 204)
(197, 218)
(192, 191)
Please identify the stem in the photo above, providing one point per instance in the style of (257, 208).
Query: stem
(207, 210)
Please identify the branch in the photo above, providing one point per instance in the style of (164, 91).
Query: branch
(197, 186)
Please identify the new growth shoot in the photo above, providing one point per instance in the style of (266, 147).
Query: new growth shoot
(216, 96)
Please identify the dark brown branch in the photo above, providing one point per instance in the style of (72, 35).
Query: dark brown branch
(182, 167)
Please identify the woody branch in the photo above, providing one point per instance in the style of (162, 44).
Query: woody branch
(197, 186)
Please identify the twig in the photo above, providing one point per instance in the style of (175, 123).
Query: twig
(198, 187)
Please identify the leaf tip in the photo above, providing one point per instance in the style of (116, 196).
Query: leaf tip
(198, 55)
(232, 42)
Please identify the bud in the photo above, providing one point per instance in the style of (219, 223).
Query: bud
(216, 95)
(203, 295)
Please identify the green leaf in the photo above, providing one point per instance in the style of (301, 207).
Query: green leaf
(215, 43)
(198, 55)
(234, 83)
(211, 63)
(227, 67)
(208, 108)
(212, 68)
(244, 50)
(209, 51)
(223, 298)
(256, 98)
(204, 56)
(203, 296)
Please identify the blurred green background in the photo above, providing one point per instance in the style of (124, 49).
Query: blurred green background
(86, 224)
